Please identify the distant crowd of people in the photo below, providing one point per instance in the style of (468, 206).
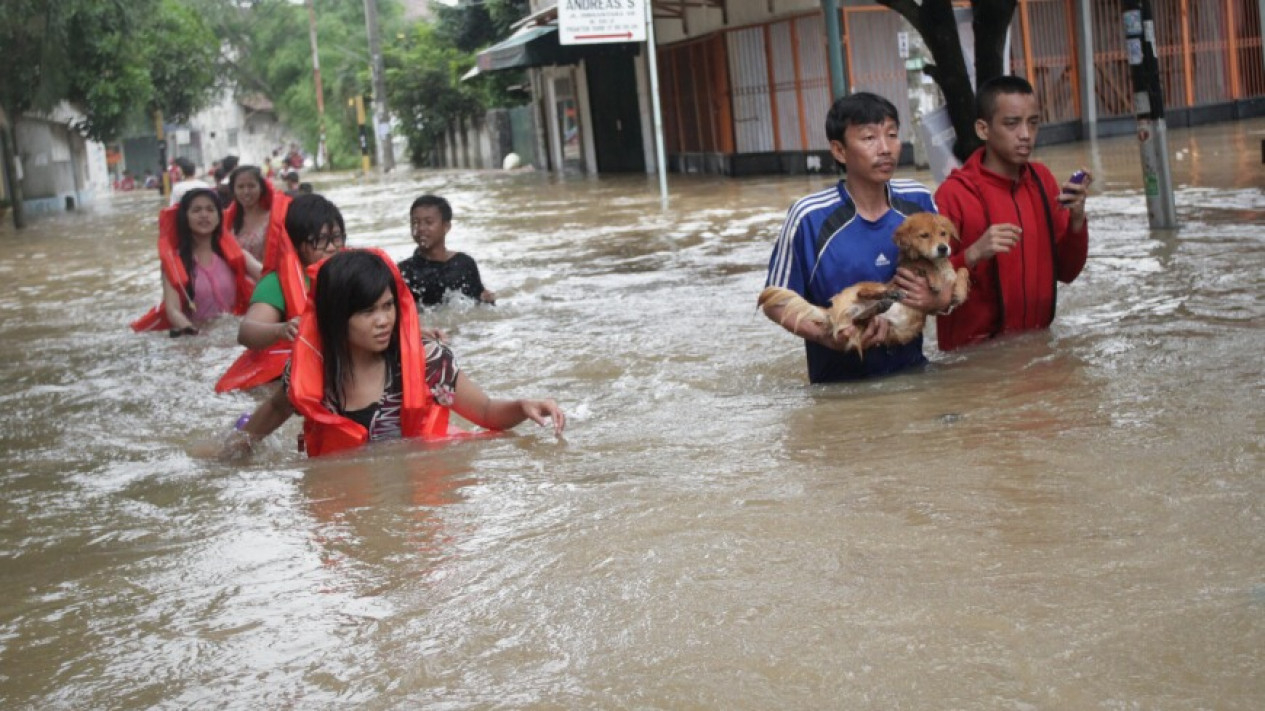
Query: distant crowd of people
(183, 171)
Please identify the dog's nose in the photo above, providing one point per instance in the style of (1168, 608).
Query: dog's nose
(943, 250)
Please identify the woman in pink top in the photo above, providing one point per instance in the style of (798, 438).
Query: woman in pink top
(213, 287)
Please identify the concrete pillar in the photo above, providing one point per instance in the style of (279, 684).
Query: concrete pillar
(646, 110)
(463, 138)
(540, 121)
(1261, 17)
(554, 130)
(1085, 60)
(580, 80)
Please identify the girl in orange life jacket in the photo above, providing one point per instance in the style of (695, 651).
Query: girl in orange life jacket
(257, 211)
(361, 371)
(204, 271)
(313, 231)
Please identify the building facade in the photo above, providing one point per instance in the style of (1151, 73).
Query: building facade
(58, 168)
(745, 86)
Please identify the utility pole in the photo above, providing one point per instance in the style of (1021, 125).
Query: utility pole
(12, 179)
(1148, 106)
(834, 50)
(381, 121)
(164, 174)
(359, 103)
(322, 153)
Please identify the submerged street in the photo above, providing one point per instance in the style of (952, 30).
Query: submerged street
(1068, 519)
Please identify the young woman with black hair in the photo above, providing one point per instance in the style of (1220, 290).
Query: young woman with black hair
(361, 372)
(257, 211)
(204, 271)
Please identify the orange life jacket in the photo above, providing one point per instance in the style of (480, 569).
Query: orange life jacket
(256, 367)
(173, 270)
(325, 432)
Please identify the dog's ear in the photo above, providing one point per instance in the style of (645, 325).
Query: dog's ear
(947, 225)
(904, 234)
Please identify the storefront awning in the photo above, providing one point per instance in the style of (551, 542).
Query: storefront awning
(534, 46)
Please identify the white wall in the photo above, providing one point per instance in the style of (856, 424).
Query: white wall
(228, 128)
(57, 163)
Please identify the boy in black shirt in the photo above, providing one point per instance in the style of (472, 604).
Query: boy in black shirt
(434, 270)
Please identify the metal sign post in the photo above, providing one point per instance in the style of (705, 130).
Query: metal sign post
(1148, 106)
(629, 21)
(322, 150)
(660, 161)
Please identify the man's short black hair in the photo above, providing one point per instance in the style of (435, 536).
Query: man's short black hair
(186, 167)
(859, 109)
(445, 210)
(986, 97)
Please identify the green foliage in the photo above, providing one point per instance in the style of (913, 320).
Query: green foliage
(424, 88)
(466, 27)
(180, 51)
(268, 50)
(505, 13)
(112, 59)
(424, 70)
(105, 77)
(31, 37)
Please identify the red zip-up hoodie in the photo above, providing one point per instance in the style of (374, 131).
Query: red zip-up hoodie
(1015, 291)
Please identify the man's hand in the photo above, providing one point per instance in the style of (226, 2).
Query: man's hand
(917, 293)
(1073, 198)
(997, 239)
(875, 333)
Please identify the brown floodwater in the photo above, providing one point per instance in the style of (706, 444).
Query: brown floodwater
(1064, 520)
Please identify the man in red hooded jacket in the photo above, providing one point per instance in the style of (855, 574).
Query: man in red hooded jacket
(1020, 232)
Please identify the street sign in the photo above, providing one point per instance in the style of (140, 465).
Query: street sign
(601, 21)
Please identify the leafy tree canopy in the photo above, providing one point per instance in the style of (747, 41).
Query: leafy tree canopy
(424, 88)
(424, 70)
(267, 49)
(111, 59)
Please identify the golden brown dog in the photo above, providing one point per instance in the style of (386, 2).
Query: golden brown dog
(924, 240)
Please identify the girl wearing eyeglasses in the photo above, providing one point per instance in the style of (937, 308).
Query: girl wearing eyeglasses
(313, 231)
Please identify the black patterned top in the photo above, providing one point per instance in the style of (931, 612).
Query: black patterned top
(382, 418)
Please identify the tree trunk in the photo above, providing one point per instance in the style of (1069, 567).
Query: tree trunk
(9, 152)
(991, 22)
(935, 22)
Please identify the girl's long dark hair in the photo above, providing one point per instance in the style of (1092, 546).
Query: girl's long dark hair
(185, 233)
(265, 192)
(347, 283)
